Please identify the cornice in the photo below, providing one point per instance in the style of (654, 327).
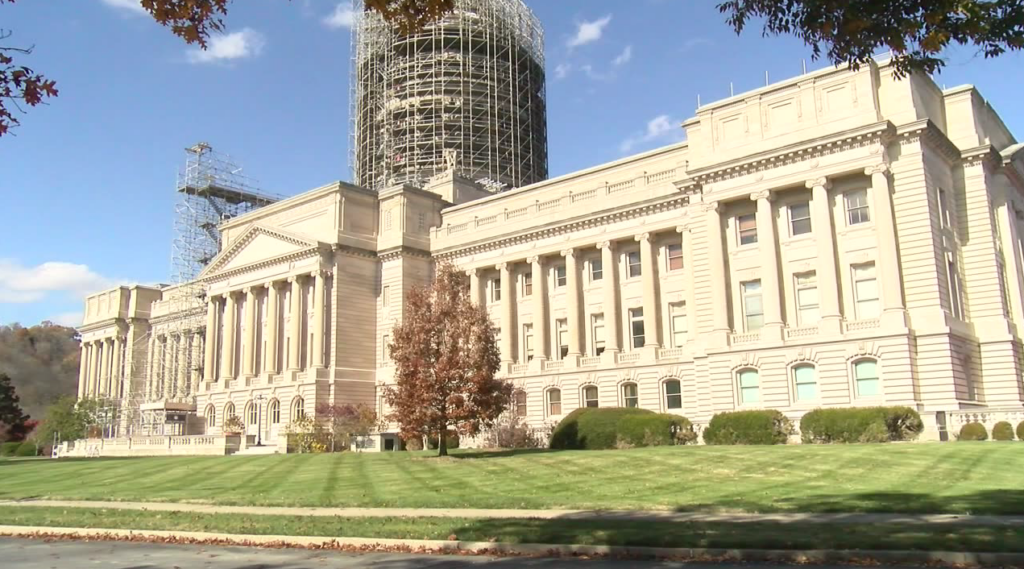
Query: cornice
(101, 324)
(985, 155)
(287, 258)
(926, 132)
(395, 253)
(339, 249)
(247, 237)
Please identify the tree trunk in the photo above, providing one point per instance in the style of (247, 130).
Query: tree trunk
(442, 445)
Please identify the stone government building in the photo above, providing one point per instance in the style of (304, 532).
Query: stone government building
(842, 238)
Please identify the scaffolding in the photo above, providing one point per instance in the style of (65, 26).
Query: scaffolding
(466, 94)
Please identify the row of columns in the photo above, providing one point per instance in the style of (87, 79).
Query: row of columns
(100, 371)
(173, 365)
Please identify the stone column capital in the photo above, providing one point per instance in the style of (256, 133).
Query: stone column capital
(604, 245)
(268, 285)
(501, 266)
(293, 280)
(247, 290)
(316, 273)
(642, 237)
(714, 206)
(472, 272)
(818, 183)
(765, 195)
(682, 228)
(570, 252)
(876, 169)
(533, 260)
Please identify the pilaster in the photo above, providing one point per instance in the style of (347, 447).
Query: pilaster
(648, 268)
(894, 313)
(827, 274)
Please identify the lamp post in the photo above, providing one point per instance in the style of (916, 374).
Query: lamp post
(259, 419)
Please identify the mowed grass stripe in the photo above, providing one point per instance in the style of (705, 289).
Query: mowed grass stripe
(940, 478)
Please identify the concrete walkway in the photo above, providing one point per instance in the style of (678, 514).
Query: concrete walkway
(604, 515)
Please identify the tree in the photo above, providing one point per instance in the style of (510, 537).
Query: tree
(347, 421)
(42, 361)
(65, 419)
(446, 357)
(11, 413)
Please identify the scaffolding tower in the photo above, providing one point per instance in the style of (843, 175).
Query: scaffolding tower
(466, 94)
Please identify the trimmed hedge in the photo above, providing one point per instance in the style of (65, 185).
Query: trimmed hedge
(1002, 431)
(659, 429)
(860, 425)
(1020, 431)
(8, 449)
(767, 427)
(26, 449)
(973, 432)
(592, 428)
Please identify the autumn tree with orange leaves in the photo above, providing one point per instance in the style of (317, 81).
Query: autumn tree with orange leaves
(446, 356)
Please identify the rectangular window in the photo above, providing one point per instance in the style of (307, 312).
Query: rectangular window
(805, 382)
(753, 311)
(562, 334)
(954, 286)
(746, 227)
(945, 216)
(857, 210)
(674, 254)
(865, 375)
(597, 326)
(807, 298)
(385, 343)
(680, 324)
(673, 394)
(799, 218)
(636, 327)
(596, 270)
(385, 295)
(630, 397)
(555, 402)
(496, 290)
(865, 291)
(527, 284)
(633, 268)
(528, 342)
(560, 277)
(590, 396)
(750, 392)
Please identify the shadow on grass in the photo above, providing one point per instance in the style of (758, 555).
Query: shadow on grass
(499, 453)
(994, 502)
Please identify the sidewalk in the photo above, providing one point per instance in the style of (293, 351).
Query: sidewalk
(605, 515)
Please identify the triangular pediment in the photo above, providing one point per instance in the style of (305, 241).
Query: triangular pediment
(256, 245)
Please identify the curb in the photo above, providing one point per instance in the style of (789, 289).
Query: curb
(363, 545)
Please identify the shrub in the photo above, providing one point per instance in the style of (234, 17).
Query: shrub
(973, 432)
(511, 432)
(26, 449)
(1002, 431)
(657, 429)
(8, 449)
(1020, 431)
(414, 444)
(592, 428)
(768, 427)
(860, 425)
(453, 440)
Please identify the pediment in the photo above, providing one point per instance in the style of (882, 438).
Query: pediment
(258, 244)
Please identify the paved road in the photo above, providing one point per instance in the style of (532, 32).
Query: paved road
(39, 554)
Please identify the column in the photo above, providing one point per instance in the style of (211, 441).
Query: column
(826, 273)
(151, 367)
(1007, 220)
(474, 286)
(83, 371)
(172, 363)
(686, 238)
(507, 313)
(540, 310)
(574, 308)
(894, 314)
(768, 245)
(94, 369)
(210, 340)
(270, 357)
(184, 345)
(295, 352)
(648, 269)
(249, 340)
(227, 356)
(716, 264)
(116, 374)
(197, 352)
(610, 270)
(318, 320)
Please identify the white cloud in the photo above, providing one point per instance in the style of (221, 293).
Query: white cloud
(624, 57)
(661, 128)
(695, 43)
(562, 70)
(134, 6)
(237, 45)
(20, 284)
(589, 32)
(72, 319)
(342, 17)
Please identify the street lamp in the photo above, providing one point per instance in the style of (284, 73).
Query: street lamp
(259, 419)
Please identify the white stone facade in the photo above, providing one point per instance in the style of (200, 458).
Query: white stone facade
(839, 239)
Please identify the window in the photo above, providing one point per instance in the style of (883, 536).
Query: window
(597, 326)
(865, 377)
(496, 290)
(274, 411)
(955, 300)
(673, 394)
(554, 402)
(674, 254)
(298, 409)
(857, 210)
(799, 218)
(636, 327)
(562, 336)
(629, 395)
(385, 296)
(945, 216)
(633, 268)
(229, 411)
(251, 414)
(750, 392)
(753, 311)
(527, 284)
(590, 396)
(972, 387)
(807, 298)
(805, 385)
(560, 277)
(520, 403)
(865, 291)
(528, 342)
(680, 324)
(385, 347)
(211, 416)
(746, 227)
(596, 270)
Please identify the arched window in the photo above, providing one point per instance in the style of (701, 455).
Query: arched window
(519, 402)
(554, 402)
(274, 410)
(229, 411)
(673, 394)
(298, 409)
(590, 396)
(865, 377)
(630, 397)
(805, 382)
(749, 386)
(251, 413)
(211, 416)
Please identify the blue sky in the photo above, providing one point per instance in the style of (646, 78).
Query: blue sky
(87, 183)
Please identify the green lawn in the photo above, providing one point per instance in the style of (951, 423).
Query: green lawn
(652, 534)
(943, 478)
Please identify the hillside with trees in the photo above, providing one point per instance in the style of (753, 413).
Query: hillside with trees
(42, 362)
